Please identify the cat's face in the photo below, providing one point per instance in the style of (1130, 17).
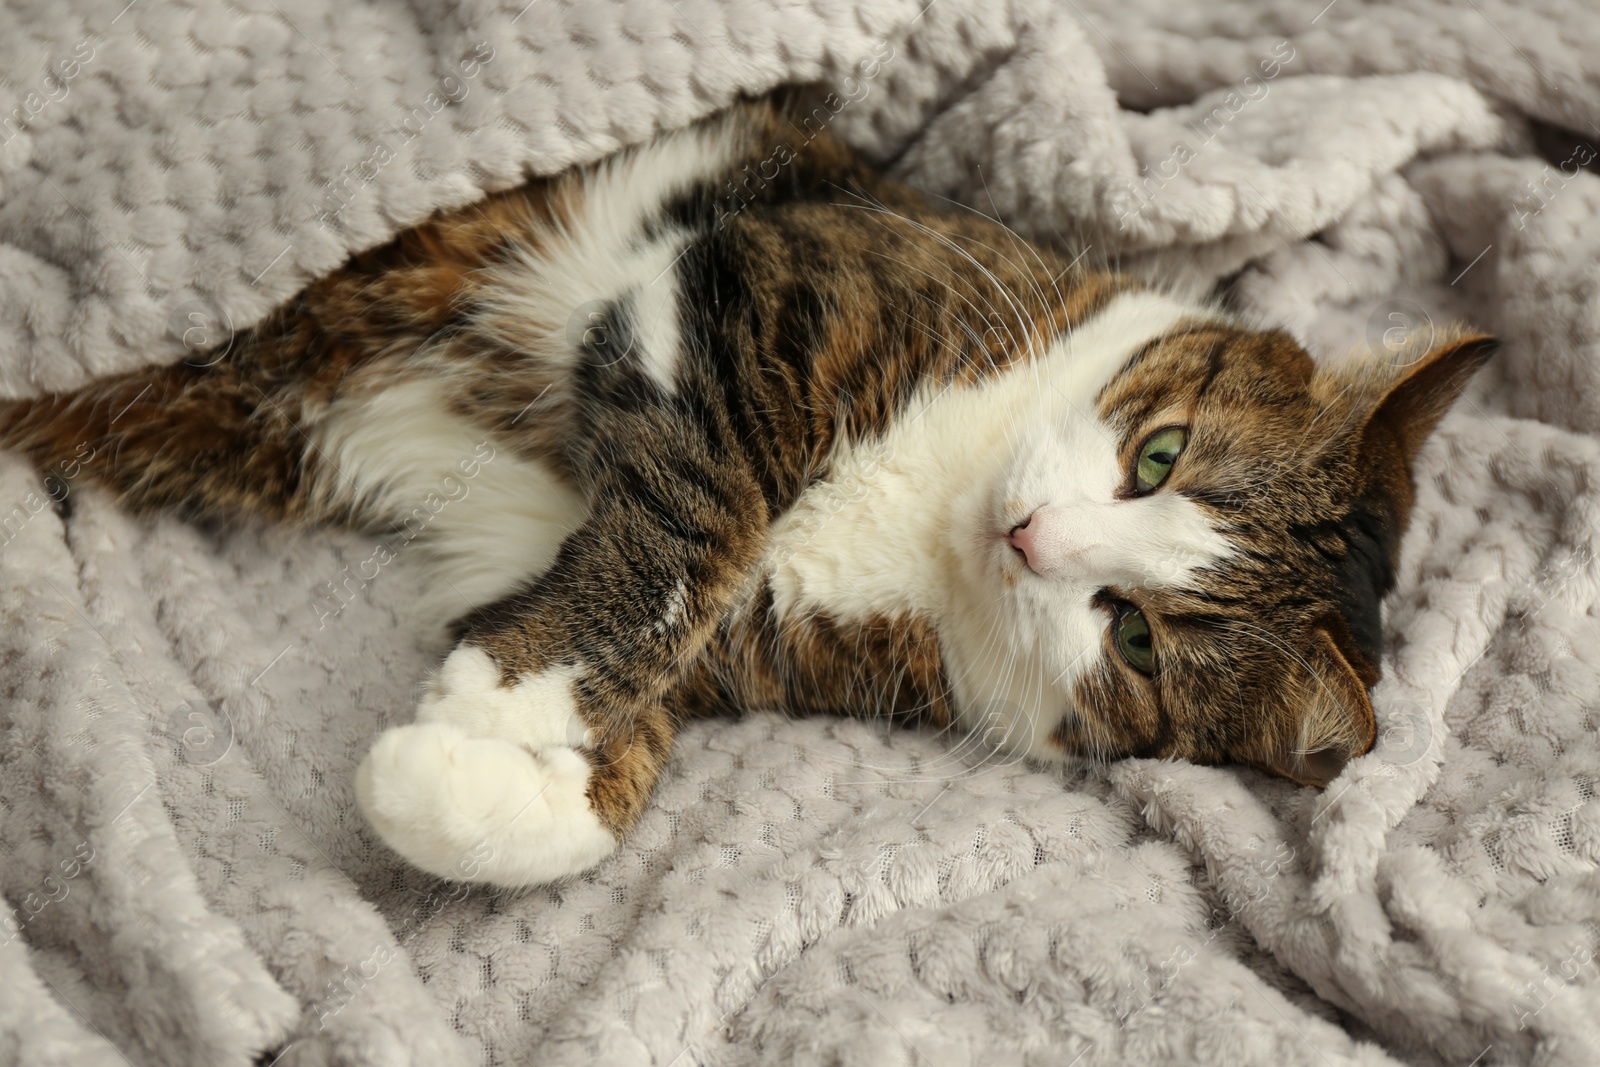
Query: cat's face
(1181, 548)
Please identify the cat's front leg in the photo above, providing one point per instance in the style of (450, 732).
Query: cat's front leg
(539, 740)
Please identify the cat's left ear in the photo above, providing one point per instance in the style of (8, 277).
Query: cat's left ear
(1336, 720)
(1424, 390)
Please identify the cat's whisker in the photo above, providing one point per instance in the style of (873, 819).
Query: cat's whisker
(1023, 321)
(1059, 305)
(963, 324)
(1030, 352)
(1020, 244)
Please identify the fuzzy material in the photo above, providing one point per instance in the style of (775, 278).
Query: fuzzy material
(187, 878)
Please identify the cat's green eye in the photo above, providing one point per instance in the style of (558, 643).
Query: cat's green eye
(1157, 456)
(1133, 640)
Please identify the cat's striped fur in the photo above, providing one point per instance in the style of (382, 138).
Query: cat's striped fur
(764, 441)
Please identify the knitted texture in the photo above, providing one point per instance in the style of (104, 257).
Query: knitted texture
(187, 879)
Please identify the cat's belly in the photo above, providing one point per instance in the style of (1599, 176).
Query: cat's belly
(484, 519)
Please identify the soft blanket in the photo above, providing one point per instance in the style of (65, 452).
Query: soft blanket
(185, 879)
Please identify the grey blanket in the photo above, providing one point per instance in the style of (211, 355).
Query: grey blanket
(186, 878)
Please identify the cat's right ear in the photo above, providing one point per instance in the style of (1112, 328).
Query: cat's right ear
(1335, 722)
(1425, 388)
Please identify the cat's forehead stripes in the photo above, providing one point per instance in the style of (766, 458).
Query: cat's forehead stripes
(1166, 376)
(1104, 353)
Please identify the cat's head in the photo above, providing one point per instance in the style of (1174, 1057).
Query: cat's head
(1186, 538)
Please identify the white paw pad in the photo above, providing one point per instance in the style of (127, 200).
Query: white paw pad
(539, 710)
(478, 809)
(486, 785)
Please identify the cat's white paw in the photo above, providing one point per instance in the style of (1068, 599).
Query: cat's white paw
(486, 785)
(541, 709)
(479, 809)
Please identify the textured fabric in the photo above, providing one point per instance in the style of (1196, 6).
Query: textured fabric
(187, 878)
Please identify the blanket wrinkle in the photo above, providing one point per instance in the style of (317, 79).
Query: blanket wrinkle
(184, 876)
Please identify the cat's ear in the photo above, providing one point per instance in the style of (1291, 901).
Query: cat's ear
(1420, 394)
(1336, 721)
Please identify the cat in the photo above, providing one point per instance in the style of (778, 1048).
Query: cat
(751, 433)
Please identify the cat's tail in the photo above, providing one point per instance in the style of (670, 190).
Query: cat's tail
(219, 441)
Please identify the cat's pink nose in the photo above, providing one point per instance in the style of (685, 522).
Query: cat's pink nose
(1052, 540)
(1024, 538)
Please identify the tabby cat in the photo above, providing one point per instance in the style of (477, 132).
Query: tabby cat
(755, 428)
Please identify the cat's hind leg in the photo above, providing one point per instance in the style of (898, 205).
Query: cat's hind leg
(218, 441)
